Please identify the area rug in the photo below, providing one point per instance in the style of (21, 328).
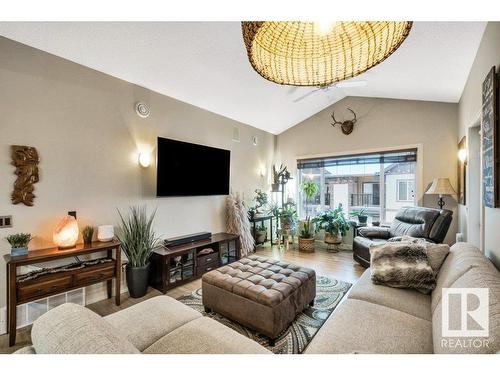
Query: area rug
(295, 339)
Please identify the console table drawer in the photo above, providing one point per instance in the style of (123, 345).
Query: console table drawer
(95, 275)
(41, 289)
(207, 259)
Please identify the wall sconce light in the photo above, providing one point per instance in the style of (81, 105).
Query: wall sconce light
(66, 233)
(144, 159)
(462, 154)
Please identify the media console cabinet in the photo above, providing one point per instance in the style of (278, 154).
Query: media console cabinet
(48, 282)
(177, 265)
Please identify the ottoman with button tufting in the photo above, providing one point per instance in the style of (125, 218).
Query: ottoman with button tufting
(259, 293)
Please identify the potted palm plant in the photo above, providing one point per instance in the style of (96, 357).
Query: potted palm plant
(138, 240)
(334, 223)
(306, 236)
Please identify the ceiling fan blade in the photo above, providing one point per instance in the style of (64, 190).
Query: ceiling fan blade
(305, 95)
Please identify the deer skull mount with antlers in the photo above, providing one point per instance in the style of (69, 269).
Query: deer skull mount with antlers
(346, 126)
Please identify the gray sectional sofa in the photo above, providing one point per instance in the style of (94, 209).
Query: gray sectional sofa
(372, 319)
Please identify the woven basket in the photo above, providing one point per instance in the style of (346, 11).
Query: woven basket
(298, 53)
(306, 245)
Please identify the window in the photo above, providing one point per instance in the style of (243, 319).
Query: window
(381, 183)
(405, 190)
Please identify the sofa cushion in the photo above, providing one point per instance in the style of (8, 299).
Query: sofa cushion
(461, 258)
(482, 275)
(404, 300)
(145, 323)
(205, 336)
(74, 329)
(414, 221)
(363, 327)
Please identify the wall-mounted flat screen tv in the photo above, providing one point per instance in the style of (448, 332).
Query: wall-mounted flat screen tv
(187, 169)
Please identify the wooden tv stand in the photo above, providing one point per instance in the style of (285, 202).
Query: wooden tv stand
(177, 265)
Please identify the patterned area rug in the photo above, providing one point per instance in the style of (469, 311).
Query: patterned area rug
(295, 339)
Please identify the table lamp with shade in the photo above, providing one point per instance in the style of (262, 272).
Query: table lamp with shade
(441, 186)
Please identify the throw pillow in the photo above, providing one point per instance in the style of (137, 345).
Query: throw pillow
(436, 253)
(402, 265)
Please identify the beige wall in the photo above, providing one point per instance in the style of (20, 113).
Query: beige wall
(87, 134)
(469, 108)
(384, 123)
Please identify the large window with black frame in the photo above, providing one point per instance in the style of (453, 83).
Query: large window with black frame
(379, 183)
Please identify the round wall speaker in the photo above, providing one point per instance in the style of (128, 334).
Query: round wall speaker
(142, 109)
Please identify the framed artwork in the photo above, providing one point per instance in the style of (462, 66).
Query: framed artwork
(489, 127)
(461, 173)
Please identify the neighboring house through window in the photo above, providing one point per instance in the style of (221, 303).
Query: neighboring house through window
(381, 183)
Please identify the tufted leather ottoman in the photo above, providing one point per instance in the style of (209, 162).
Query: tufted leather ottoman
(260, 293)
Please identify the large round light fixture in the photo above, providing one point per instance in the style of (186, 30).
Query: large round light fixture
(317, 54)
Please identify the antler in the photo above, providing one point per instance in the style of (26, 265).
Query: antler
(335, 122)
(354, 119)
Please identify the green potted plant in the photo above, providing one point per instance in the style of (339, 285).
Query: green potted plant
(88, 234)
(138, 240)
(334, 223)
(306, 236)
(280, 175)
(288, 217)
(19, 243)
(360, 215)
(260, 200)
(260, 234)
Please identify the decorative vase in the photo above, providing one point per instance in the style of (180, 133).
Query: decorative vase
(137, 280)
(333, 239)
(275, 188)
(306, 245)
(105, 233)
(18, 251)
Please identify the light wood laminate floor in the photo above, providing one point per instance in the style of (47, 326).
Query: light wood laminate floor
(337, 265)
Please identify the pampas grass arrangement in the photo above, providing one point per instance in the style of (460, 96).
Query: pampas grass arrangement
(238, 222)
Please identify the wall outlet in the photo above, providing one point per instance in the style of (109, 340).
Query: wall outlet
(6, 221)
(3, 321)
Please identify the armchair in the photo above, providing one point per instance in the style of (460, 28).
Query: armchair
(429, 223)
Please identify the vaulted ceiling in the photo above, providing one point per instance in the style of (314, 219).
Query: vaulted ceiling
(205, 64)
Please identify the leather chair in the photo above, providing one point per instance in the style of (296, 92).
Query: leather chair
(429, 223)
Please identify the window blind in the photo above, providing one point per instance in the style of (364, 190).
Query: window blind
(400, 156)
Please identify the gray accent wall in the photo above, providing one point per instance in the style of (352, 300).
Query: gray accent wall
(87, 133)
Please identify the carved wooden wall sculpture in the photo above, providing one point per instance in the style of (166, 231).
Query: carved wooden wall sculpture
(25, 159)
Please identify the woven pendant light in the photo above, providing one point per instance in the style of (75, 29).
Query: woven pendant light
(307, 54)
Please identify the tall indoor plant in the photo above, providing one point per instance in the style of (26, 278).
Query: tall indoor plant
(334, 223)
(306, 236)
(138, 240)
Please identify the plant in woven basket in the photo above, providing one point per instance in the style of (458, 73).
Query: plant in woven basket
(310, 189)
(138, 240)
(333, 222)
(88, 234)
(18, 240)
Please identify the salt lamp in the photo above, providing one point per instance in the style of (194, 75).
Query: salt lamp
(66, 233)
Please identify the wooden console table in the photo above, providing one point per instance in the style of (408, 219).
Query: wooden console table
(177, 265)
(49, 284)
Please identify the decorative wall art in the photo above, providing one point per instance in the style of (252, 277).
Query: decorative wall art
(26, 160)
(489, 127)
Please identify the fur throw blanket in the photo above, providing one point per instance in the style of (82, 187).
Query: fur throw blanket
(402, 265)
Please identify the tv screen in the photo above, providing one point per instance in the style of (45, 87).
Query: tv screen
(186, 169)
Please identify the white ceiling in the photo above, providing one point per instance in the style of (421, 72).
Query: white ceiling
(205, 64)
